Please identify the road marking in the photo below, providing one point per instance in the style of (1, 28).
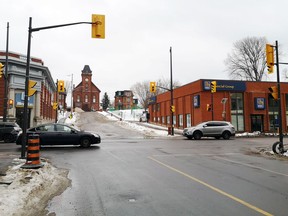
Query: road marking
(252, 166)
(213, 188)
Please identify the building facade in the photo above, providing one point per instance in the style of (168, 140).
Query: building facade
(124, 100)
(248, 105)
(86, 95)
(40, 105)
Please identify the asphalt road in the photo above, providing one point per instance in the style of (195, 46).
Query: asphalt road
(134, 174)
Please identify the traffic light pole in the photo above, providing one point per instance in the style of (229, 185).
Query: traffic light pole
(171, 91)
(57, 101)
(25, 118)
(281, 148)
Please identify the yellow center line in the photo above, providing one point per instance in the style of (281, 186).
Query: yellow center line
(213, 188)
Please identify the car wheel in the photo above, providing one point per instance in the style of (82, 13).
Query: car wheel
(226, 135)
(8, 138)
(189, 137)
(197, 135)
(85, 142)
(277, 149)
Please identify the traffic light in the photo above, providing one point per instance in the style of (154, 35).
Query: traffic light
(11, 103)
(270, 58)
(172, 109)
(153, 87)
(274, 92)
(213, 86)
(55, 105)
(60, 85)
(98, 26)
(1, 69)
(209, 107)
(31, 90)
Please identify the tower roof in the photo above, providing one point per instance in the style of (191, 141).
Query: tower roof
(86, 69)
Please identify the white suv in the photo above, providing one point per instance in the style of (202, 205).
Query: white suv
(215, 129)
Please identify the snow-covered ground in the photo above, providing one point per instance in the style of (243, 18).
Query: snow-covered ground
(19, 189)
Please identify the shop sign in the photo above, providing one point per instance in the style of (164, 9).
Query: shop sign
(225, 85)
(259, 103)
(152, 100)
(19, 100)
(196, 101)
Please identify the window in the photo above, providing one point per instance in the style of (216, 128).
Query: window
(94, 99)
(180, 120)
(237, 111)
(158, 107)
(174, 120)
(78, 98)
(163, 120)
(168, 120)
(86, 98)
(188, 120)
(273, 113)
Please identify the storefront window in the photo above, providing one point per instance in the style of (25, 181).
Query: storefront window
(188, 120)
(237, 112)
(168, 120)
(174, 120)
(180, 120)
(273, 113)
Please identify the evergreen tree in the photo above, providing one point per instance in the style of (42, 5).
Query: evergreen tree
(105, 101)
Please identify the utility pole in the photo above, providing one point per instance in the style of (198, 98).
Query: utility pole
(171, 91)
(6, 78)
(72, 94)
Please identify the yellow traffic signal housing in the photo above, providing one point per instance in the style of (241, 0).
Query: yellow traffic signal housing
(274, 92)
(31, 90)
(172, 109)
(11, 102)
(55, 105)
(98, 26)
(213, 86)
(61, 87)
(270, 58)
(209, 107)
(153, 87)
(1, 70)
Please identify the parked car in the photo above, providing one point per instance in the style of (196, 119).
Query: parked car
(215, 129)
(9, 131)
(61, 134)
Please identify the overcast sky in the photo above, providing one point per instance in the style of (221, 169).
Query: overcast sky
(139, 35)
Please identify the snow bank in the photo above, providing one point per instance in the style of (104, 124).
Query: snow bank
(22, 189)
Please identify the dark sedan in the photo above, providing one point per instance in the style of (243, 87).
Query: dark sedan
(61, 134)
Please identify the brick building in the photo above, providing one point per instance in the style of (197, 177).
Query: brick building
(247, 105)
(40, 105)
(123, 100)
(86, 94)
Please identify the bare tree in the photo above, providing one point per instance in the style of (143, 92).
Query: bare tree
(142, 90)
(164, 84)
(247, 61)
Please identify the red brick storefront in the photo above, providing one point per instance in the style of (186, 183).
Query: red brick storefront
(247, 105)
